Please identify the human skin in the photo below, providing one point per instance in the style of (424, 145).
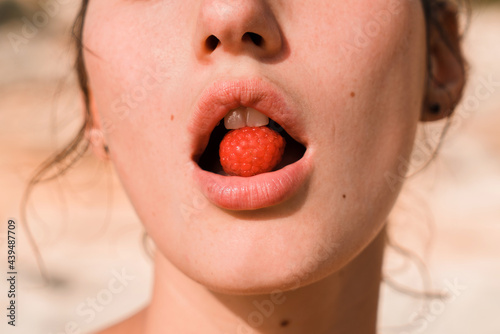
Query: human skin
(319, 252)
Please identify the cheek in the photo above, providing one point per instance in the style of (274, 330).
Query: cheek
(377, 127)
(367, 101)
(136, 80)
(134, 68)
(369, 94)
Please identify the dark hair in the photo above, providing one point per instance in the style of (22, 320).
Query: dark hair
(61, 161)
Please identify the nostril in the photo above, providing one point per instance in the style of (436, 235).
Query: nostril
(255, 38)
(212, 42)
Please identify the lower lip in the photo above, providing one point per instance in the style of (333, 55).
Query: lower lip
(254, 192)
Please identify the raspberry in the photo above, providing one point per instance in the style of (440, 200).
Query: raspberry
(250, 151)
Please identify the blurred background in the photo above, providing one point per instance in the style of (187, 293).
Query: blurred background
(448, 215)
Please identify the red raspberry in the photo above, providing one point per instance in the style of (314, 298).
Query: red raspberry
(251, 150)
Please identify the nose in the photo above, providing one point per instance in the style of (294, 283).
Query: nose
(237, 27)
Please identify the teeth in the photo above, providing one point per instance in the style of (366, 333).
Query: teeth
(242, 116)
(255, 118)
(236, 118)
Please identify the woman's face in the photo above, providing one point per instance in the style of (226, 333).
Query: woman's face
(345, 79)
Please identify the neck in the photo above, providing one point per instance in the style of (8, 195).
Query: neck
(344, 302)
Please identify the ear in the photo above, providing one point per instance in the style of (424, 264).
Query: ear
(93, 131)
(446, 69)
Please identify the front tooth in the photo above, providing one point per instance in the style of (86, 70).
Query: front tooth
(235, 119)
(242, 116)
(256, 118)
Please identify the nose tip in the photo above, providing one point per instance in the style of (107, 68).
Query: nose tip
(238, 27)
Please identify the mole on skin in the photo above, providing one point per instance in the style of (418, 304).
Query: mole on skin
(284, 323)
(171, 117)
(353, 94)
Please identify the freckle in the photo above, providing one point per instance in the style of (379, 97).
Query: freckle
(171, 117)
(343, 196)
(353, 94)
(284, 323)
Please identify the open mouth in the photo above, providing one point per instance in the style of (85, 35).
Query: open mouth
(249, 106)
(210, 159)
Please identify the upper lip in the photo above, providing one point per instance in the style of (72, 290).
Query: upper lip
(222, 96)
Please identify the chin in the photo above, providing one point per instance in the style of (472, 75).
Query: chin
(240, 255)
(270, 283)
(260, 270)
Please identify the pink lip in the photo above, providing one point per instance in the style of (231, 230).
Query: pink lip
(255, 192)
(218, 99)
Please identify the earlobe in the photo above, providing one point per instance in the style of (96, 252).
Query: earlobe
(446, 70)
(93, 131)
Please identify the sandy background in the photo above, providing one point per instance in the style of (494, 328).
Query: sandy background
(88, 234)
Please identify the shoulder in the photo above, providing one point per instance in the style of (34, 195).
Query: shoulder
(132, 325)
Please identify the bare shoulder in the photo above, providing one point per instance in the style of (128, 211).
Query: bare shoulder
(132, 325)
